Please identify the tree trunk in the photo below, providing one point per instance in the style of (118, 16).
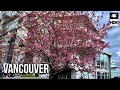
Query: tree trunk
(52, 71)
(51, 74)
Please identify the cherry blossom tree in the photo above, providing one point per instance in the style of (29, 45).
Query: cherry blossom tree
(63, 38)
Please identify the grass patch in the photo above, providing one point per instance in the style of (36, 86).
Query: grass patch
(27, 75)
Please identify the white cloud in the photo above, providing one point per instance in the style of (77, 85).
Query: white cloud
(114, 38)
(118, 53)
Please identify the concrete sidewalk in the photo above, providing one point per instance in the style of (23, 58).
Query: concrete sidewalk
(23, 78)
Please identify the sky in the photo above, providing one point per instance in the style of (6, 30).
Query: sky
(113, 37)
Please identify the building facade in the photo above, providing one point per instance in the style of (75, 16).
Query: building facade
(101, 71)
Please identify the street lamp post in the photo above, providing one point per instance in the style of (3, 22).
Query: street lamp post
(109, 67)
(10, 41)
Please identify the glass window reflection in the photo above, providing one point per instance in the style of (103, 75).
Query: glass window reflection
(103, 61)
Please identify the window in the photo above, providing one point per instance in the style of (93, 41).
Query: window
(102, 75)
(106, 58)
(64, 75)
(98, 64)
(102, 64)
(101, 56)
(106, 61)
(106, 65)
(98, 75)
(103, 61)
(106, 75)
